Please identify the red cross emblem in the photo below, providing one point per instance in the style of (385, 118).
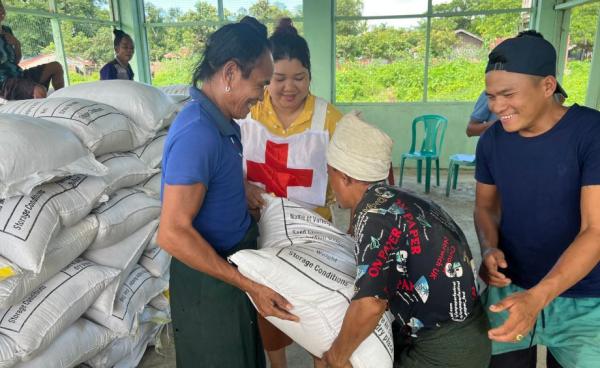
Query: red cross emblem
(275, 174)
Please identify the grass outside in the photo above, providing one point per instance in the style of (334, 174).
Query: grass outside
(401, 81)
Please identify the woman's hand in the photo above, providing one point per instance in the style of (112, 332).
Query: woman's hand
(254, 196)
(270, 303)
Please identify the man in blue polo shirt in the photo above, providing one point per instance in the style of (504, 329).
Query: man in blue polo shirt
(481, 117)
(537, 212)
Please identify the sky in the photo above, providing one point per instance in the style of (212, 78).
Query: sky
(232, 5)
(371, 7)
(397, 7)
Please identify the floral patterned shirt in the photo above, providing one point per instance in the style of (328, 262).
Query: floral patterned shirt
(411, 253)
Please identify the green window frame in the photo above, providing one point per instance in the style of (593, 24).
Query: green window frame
(563, 13)
(428, 16)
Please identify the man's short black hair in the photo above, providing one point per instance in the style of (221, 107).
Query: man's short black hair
(530, 32)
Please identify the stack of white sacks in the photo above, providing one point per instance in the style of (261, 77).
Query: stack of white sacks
(81, 277)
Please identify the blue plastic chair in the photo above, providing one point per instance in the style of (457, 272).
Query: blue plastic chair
(433, 139)
(455, 162)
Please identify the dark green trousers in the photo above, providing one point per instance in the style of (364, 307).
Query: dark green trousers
(214, 323)
(453, 345)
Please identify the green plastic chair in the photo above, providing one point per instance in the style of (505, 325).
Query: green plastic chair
(455, 162)
(433, 139)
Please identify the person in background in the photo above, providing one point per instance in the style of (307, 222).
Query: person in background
(19, 84)
(412, 259)
(205, 217)
(119, 67)
(537, 212)
(481, 117)
(285, 139)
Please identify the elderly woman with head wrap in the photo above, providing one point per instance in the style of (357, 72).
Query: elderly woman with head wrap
(411, 257)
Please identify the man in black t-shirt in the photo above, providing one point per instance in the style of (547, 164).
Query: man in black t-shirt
(411, 258)
(537, 212)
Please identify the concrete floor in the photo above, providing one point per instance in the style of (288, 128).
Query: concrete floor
(459, 205)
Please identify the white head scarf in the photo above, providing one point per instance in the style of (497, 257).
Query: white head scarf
(360, 150)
